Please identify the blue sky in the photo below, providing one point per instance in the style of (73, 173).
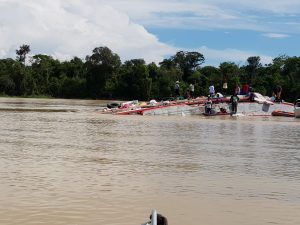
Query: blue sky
(222, 30)
(243, 40)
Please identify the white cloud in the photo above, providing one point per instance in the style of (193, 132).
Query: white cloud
(276, 35)
(215, 56)
(258, 15)
(65, 29)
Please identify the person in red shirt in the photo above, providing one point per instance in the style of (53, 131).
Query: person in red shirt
(245, 89)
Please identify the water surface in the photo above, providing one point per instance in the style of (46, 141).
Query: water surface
(64, 163)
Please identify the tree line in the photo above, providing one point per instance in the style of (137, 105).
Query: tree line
(102, 75)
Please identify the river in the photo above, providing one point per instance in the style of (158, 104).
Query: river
(64, 163)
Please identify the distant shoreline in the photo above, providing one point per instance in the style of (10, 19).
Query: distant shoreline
(53, 98)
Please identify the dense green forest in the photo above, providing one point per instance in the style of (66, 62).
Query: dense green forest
(102, 75)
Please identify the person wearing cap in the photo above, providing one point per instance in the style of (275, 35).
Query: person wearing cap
(177, 89)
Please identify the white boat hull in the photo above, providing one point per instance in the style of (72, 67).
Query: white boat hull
(244, 108)
(254, 108)
(181, 109)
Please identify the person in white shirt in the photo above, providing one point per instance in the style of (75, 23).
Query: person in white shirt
(211, 90)
(192, 90)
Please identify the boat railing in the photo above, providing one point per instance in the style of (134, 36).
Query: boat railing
(153, 219)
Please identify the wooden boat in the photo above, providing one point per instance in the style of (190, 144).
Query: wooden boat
(282, 113)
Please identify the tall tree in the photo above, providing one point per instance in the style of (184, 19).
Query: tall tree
(253, 65)
(291, 74)
(209, 75)
(100, 66)
(22, 52)
(44, 68)
(229, 71)
(188, 62)
(134, 80)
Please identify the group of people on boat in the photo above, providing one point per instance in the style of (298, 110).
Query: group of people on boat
(234, 99)
(189, 93)
(216, 102)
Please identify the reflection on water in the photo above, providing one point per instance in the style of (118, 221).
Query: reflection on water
(62, 162)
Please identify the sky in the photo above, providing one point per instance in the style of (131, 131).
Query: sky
(222, 30)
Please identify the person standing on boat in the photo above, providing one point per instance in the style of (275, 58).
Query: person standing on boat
(208, 105)
(177, 89)
(234, 103)
(211, 90)
(277, 92)
(245, 89)
(192, 90)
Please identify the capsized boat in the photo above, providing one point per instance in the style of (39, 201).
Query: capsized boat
(262, 106)
(253, 105)
(173, 107)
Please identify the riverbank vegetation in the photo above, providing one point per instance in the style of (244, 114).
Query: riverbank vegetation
(102, 75)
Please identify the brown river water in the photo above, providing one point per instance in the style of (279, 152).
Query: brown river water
(64, 163)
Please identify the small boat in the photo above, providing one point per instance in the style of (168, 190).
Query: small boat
(297, 108)
(282, 113)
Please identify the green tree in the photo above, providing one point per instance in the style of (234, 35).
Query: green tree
(12, 74)
(100, 66)
(22, 52)
(188, 62)
(210, 75)
(135, 82)
(229, 71)
(73, 87)
(291, 74)
(44, 68)
(252, 67)
(73, 68)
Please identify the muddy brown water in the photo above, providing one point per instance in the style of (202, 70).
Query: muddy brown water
(64, 163)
